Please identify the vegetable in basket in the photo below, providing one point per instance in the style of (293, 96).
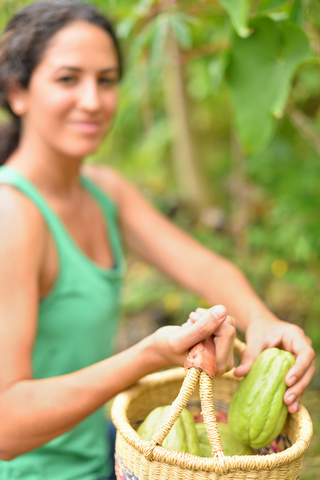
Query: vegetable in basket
(231, 446)
(182, 437)
(257, 412)
(189, 437)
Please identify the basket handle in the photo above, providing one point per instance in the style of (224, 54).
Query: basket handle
(199, 363)
(202, 356)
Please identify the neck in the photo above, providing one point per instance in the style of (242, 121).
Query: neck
(53, 173)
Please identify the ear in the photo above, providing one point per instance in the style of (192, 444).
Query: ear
(17, 99)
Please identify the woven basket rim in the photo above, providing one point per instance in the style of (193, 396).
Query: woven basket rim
(185, 460)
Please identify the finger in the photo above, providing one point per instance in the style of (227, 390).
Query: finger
(295, 406)
(187, 323)
(296, 391)
(289, 397)
(224, 339)
(225, 364)
(230, 362)
(296, 342)
(201, 310)
(304, 359)
(251, 353)
(193, 317)
(225, 358)
(184, 338)
(231, 356)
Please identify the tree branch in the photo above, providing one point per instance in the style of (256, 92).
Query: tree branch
(304, 126)
(204, 51)
(156, 9)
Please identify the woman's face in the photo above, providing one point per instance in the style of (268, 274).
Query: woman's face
(72, 94)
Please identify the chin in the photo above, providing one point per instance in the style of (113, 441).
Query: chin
(83, 149)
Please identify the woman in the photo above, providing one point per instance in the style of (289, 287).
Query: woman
(61, 258)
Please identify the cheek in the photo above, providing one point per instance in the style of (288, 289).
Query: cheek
(110, 102)
(57, 105)
(49, 105)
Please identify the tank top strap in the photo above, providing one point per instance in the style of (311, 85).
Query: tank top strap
(15, 179)
(66, 246)
(102, 199)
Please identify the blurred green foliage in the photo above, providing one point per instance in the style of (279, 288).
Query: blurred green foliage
(250, 84)
(278, 173)
(251, 88)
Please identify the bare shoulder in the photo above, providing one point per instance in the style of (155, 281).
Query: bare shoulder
(23, 224)
(108, 179)
(22, 250)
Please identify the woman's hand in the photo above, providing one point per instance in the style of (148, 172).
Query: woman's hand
(172, 344)
(262, 334)
(267, 333)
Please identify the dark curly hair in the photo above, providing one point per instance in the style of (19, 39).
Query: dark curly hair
(22, 47)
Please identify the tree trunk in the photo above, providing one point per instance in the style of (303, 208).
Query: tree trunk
(240, 194)
(191, 188)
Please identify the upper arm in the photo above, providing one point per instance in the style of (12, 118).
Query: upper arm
(21, 251)
(151, 235)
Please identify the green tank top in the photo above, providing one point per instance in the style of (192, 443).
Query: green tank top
(77, 323)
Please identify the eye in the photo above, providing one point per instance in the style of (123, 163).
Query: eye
(107, 81)
(67, 79)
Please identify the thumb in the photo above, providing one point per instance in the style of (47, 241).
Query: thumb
(188, 336)
(250, 355)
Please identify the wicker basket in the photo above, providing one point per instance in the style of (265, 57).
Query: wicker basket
(137, 459)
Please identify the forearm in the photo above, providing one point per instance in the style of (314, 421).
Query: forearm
(196, 268)
(222, 283)
(33, 412)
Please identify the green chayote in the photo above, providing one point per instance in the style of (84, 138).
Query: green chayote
(231, 446)
(182, 437)
(257, 412)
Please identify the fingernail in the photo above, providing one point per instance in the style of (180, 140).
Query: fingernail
(295, 405)
(240, 371)
(241, 367)
(194, 316)
(291, 398)
(219, 311)
(189, 322)
(291, 381)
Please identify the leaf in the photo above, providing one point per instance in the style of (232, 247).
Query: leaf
(259, 74)
(297, 13)
(217, 68)
(141, 41)
(160, 36)
(238, 11)
(270, 4)
(155, 34)
(143, 6)
(182, 32)
(124, 28)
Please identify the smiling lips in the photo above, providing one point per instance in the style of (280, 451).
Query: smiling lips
(87, 127)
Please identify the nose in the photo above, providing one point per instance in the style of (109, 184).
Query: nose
(89, 96)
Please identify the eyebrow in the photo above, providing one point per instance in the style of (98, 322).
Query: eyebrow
(78, 69)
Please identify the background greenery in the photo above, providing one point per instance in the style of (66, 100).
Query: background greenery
(218, 125)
